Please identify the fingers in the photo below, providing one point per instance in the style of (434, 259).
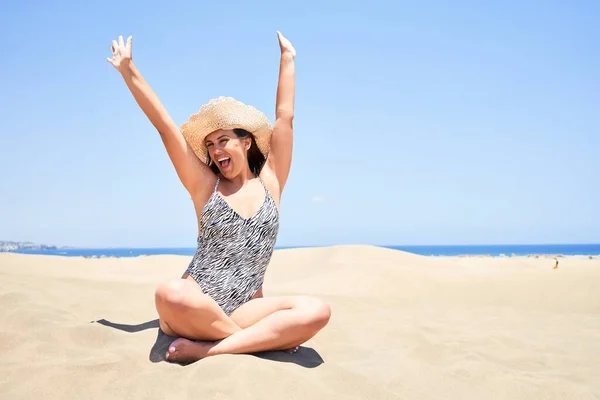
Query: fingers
(116, 45)
(283, 40)
(116, 48)
(280, 37)
(285, 45)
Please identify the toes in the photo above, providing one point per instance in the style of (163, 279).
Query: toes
(171, 353)
(173, 349)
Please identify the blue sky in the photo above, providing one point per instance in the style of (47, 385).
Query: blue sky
(416, 122)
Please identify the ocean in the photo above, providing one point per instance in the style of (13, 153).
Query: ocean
(427, 250)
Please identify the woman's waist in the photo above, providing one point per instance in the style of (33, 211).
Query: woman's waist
(223, 276)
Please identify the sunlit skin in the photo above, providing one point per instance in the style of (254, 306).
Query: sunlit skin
(263, 323)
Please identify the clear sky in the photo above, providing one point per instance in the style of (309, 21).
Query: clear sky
(430, 122)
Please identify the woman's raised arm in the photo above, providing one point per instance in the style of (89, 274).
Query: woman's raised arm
(192, 173)
(280, 153)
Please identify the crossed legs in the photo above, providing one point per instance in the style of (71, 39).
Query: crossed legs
(261, 324)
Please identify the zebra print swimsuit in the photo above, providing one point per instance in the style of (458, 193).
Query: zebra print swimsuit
(233, 252)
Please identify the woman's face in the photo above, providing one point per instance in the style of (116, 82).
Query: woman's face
(228, 152)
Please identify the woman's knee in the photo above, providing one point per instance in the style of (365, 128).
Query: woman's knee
(315, 312)
(177, 294)
(169, 292)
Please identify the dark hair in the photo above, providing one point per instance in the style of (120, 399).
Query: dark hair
(256, 159)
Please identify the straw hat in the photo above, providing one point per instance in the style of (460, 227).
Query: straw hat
(226, 113)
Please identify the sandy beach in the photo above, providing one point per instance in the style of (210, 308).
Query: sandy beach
(403, 326)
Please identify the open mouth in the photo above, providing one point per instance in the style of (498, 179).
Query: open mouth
(224, 162)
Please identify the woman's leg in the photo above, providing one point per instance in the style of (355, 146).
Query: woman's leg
(272, 323)
(185, 311)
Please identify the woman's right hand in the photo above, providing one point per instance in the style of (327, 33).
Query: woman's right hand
(121, 53)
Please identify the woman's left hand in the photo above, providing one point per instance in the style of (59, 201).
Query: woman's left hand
(286, 46)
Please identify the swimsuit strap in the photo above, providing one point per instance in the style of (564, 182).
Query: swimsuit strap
(261, 181)
(267, 192)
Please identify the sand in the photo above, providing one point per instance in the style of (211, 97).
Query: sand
(403, 326)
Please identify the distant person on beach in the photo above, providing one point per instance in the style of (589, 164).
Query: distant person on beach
(555, 264)
(234, 165)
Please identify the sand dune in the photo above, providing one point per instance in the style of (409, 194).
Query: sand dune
(403, 327)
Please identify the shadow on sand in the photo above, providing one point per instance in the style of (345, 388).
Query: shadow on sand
(305, 356)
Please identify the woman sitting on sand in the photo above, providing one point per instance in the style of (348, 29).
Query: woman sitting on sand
(234, 166)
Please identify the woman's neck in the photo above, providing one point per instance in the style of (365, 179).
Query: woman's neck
(242, 178)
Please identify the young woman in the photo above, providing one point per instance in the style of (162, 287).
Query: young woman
(234, 166)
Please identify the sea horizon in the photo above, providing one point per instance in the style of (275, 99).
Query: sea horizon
(567, 249)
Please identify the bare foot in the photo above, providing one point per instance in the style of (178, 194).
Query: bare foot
(184, 350)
